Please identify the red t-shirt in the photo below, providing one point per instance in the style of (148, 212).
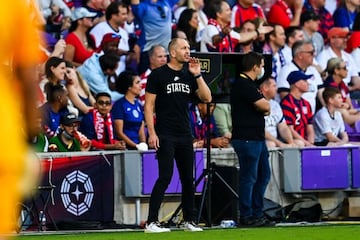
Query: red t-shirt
(353, 42)
(242, 14)
(81, 52)
(280, 13)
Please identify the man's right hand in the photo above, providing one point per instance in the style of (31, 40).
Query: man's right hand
(154, 141)
(264, 29)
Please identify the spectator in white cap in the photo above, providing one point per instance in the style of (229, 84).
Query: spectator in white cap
(297, 111)
(80, 45)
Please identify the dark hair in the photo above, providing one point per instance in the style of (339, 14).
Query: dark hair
(73, 26)
(251, 59)
(108, 61)
(356, 25)
(272, 32)
(330, 92)
(266, 81)
(52, 62)
(252, 21)
(124, 81)
(113, 8)
(214, 7)
(89, 39)
(184, 25)
(53, 91)
(69, 64)
(291, 32)
(102, 94)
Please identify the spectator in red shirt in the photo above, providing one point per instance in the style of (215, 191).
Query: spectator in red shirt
(97, 125)
(286, 13)
(245, 10)
(80, 45)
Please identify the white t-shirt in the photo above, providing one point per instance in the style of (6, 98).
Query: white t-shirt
(287, 52)
(315, 82)
(328, 53)
(276, 116)
(356, 55)
(209, 32)
(207, 35)
(323, 124)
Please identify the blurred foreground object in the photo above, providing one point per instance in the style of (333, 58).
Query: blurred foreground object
(18, 62)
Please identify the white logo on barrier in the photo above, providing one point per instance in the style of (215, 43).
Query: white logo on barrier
(77, 192)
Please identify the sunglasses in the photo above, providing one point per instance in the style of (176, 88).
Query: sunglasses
(161, 11)
(312, 52)
(73, 125)
(102, 103)
(344, 68)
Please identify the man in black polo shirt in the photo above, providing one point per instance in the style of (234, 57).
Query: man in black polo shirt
(248, 108)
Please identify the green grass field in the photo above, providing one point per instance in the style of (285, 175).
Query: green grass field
(328, 232)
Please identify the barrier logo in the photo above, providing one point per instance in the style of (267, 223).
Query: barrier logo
(77, 193)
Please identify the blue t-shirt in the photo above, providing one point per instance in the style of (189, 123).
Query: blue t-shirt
(155, 22)
(51, 120)
(344, 18)
(131, 114)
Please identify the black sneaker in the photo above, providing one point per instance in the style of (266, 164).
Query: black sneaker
(250, 222)
(266, 222)
(256, 222)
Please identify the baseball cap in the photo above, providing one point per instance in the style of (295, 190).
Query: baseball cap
(69, 118)
(110, 37)
(296, 76)
(308, 15)
(338, 32)
(81, 12)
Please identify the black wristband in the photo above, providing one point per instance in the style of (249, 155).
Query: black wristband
(197, 76)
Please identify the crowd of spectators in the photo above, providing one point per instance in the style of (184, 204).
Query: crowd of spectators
(98, 55)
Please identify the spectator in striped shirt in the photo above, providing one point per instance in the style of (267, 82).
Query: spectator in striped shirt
(157, 58)
(326, 20)
(296, 110)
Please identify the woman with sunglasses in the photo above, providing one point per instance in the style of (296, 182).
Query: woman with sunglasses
(337, 70)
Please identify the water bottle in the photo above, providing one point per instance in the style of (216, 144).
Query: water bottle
(42, 221)
(227, 223)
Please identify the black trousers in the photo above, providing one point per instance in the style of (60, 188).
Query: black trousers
(181, 149)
